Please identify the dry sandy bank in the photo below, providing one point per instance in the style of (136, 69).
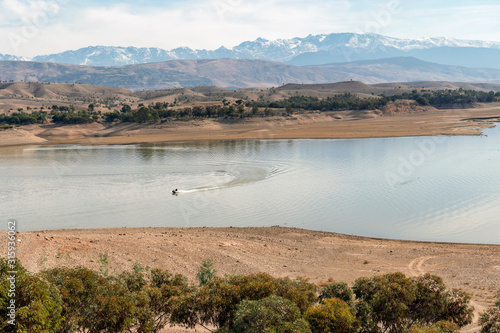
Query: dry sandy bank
(308, 126)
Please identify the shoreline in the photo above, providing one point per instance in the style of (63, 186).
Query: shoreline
(353, 236)
(339, 125)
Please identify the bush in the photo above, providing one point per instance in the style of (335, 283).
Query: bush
(332, 315)
(434, 303)
(395, 302)
(338, 290)
(490, 319)
(270, 314)
(38, 303)
(206, 272)
(215, 303)
(91, 302)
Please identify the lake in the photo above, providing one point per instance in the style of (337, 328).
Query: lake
(420, 188)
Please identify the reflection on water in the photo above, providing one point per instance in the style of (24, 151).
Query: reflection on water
(439, 189)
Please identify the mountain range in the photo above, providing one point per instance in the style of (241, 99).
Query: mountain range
(240, 73)
(311, 50)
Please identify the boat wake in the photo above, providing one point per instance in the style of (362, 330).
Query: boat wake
(234, 176)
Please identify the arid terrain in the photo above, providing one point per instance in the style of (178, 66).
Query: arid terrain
(279, 251)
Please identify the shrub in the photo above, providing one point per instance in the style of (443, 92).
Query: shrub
(434, 303)
(270, 314)
(395, 302)
(490, 319)
(331, 315)
(91, 302)
(206, 272)
(338, 290)
(38, 303)
(215, 303)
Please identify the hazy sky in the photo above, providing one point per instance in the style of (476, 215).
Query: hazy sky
(33, 27)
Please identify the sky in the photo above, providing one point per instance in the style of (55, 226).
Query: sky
(39, 27)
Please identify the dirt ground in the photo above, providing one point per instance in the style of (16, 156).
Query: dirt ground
(279, 251)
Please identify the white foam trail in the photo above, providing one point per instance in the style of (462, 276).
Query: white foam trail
(241, 176)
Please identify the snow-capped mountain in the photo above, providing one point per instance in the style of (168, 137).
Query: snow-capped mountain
(108, 56)
(311, 50)
(4, 57)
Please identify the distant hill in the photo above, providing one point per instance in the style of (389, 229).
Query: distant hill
(411, 69)
(33, 96)
(235, 73)
(60, 91)
(171, 74)
(392, 88)
(310, 50)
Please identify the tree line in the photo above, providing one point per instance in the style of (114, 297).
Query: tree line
(347, 101)
(447, 98)
(23, 118)
(143, 300)
(159, 111)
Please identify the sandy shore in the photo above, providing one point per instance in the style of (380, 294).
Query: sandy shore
(276, 250)
(346, 124)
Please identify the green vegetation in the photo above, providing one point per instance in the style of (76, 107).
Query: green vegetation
(242, 109)
(449, 98)
(270, 314)
(206, 272)
(332, 315)
(345, 101)
(490, 319)
(236, 105)
(68, 117)
(22, 118)
(143, 300)
(395, 302)
(338, 290)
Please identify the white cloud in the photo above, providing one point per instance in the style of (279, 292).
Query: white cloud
(464, 22)
(210, 24)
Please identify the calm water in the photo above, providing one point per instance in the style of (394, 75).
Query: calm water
(439, 189)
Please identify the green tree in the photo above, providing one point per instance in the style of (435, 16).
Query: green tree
(126, 108)
(206, 272)
(146, 115)
(383, 301)
(394, 303)
(332, 315)
(422, 101)
(91, 301)
(272, 314)
(434, 303)
(338, 290)
(215, 303)
(155, 296)
(38, 304)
